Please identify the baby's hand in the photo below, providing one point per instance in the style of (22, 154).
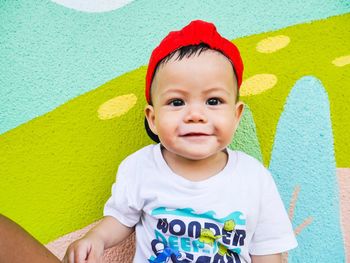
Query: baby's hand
(86, 250)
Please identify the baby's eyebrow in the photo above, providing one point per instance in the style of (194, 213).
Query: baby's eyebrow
(173, 90)
(219, 89)
(184, 92)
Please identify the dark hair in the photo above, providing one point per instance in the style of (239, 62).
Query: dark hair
(186, 51)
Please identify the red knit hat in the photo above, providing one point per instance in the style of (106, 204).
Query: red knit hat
(196, 32)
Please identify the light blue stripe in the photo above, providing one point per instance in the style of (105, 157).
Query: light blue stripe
(303, 155)
(50, 54)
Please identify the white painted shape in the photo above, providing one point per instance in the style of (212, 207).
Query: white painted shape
(93, 6)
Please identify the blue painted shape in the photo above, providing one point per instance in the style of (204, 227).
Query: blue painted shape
(50, 54)
(303, 155)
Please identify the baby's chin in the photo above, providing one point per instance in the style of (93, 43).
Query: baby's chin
(197, 155)
(206, 157)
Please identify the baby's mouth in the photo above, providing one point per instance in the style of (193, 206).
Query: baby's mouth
(194, 134)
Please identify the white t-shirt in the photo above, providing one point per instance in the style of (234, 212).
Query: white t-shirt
(224, 218)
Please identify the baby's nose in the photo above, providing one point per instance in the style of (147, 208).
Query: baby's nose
(195, 113)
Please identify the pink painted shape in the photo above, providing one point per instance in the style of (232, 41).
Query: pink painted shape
(121, 253)
(343, 175)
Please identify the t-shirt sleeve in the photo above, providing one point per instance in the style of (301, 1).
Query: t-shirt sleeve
(124, 204)
(274, 232)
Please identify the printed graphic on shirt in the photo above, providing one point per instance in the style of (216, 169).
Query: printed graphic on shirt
(181, 235)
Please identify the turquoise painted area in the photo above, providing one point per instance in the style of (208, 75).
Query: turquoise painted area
(189, 212)
(50, 54)
(246, 139)
(303, 155)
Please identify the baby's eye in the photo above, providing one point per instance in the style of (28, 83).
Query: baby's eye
(214, 101)
(177, 102)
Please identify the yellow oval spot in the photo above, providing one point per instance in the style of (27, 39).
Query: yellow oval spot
(116, 107)
(341, 61)
(272, 44)
(257, 84)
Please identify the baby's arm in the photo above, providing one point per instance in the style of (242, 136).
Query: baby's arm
(107, 233)
(275, 258)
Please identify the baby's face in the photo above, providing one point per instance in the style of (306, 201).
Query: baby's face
(195, 112)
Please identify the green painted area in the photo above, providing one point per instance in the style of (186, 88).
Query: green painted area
(245, 138)
(311, 51)
(57, 170)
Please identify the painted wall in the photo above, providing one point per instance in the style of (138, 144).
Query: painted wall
(71, 108)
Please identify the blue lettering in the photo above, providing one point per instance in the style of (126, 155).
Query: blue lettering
(194, 229)
(163, 224)
(197, 245)
(178, 231)
(185, 244)
(173, 242)
(219, 259)
(239, 237)
(160, 237)
(203, 259)
(226, 237)
(237, 259)
(169, 233)
(213, 227)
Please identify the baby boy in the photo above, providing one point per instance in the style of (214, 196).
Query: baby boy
(189, 197)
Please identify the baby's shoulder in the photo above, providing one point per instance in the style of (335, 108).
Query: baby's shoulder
(143, 156)
(248, 165)
(245, 159)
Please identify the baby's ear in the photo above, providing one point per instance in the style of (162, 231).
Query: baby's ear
(239, 108)
(150, 116)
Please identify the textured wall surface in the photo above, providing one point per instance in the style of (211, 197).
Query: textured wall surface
(71, 108)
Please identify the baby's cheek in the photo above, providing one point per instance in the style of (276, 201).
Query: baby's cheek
(224, 121)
